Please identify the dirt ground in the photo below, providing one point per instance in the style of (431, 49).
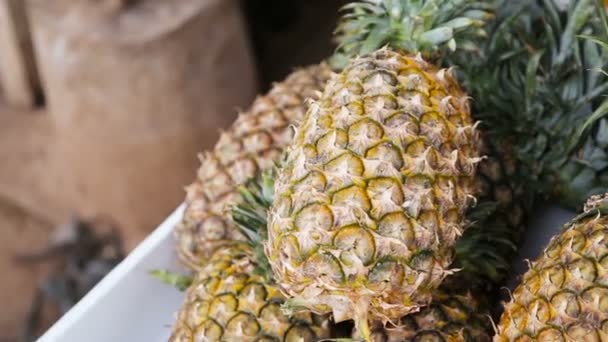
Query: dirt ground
(19, 233)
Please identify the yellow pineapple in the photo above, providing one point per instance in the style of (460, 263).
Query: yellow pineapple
(564, 295)
(252, 143)
(453, 315)
(228, 301)
(373, 194)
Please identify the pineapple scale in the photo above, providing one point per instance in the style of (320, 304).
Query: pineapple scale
(253, 143)
(564, 295)
(373, 194)
(227, 302)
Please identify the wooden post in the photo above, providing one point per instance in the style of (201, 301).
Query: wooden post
(18, 76)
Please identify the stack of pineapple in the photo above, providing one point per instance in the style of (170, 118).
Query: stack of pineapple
(392, 206)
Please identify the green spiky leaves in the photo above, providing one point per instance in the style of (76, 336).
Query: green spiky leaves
(429, 27)
(537, 88)
(250, 216)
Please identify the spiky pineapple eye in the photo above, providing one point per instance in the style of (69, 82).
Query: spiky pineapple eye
(242, 170)
(583, 271)
(222, 305)
(398, 226)
(551, 278)
(243, 325)
(540, 310)
(272, 312)
(314, 217)
(566, 303)
(208, 331)
(324, 266)
(352, 197)
(197, 313)
(212, 228)
(254, 292)
(299, 333)
(577, 332)
(211, 284)
(386, 271)
(386, 196)
(596, 297)
(358, 240)
(387, 152)
(363, 135)
(598, 243)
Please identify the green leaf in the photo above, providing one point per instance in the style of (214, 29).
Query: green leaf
(179, 281)
(598, 114)
(437, 36)
(531, 72)
(594, 39)
(434, 28)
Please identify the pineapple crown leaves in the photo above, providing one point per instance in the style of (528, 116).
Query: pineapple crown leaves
(250, 217)
(535, 80)
(432, 28)
(484, 250)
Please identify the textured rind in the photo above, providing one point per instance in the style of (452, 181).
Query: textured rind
(252, 143)
(227, 302)
(564, 295)
(374, 191)
(450, 317)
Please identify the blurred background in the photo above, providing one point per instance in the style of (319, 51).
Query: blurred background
(104, 105)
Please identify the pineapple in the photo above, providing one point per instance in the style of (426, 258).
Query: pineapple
(531, 79)
(485, 251)
(373, 193)
(252, 143)
(454, 314)
(228, 301)
(564, 295)
(449, 317)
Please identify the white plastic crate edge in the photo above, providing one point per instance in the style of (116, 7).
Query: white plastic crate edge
(124, 305)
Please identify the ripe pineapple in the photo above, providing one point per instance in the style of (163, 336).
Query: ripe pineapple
(454, 314)
(228, 301)
(252, 143)
(372, 196)
(564, 295)
(525, 86)
(450, 317)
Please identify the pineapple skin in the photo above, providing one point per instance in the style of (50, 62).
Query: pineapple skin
(453, 317)
(228, 302)
(373, 194)
(564, 295)
(252, 143)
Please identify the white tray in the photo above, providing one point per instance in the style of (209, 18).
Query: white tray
(130, 305)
